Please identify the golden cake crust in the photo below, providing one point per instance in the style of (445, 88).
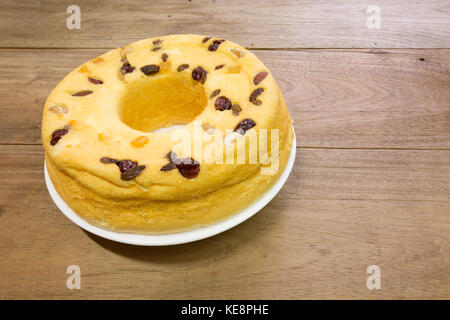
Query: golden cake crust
(110, 106)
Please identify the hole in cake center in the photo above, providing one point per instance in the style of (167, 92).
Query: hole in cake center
(162, 101)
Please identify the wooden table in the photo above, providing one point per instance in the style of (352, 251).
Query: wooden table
(371, 182)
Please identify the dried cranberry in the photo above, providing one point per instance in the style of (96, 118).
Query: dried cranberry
(95, 81)
(253, 97)
(214, 93)
(82, 93)
(222, 103)
(215, 45)
(150, 69)
(260, 76)
(182, 67)
(199, 74)
(189, 168)
(57, 135)
(164, 57)
(244, 125)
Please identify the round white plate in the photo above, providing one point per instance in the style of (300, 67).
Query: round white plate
(179, 237)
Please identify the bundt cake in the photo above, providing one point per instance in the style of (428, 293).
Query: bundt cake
(166, 134)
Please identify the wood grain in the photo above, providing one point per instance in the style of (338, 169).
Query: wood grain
(341, 211)
(337, 98)
(370, 185)
(255, 24)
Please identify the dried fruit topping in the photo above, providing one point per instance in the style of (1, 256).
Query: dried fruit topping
(82, 93)
(222, 103)
(83, 69)
(205, 39)
(253, 97)
(108, 160)
(57, 135)
(126, 68)
(97, 60)
(157, 41)
(220, 66)
(132, 173)
(128, 169)
(214, 93)
(126, 164)
(139, 142)
(238, 53)
(236, 109)
(58, 109)
(244, 125)
(260, 76)
(156, 49)
(215, 45)
(95, 81)
(199, 74)
(169, 166)
(187, 167)
(182, 67)
(164, 57)
(150, 69)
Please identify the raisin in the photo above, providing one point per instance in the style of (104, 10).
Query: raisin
(156, 49)
(219, 66)
(205, 39)
(108, 160)
(169, 166)
(132, 173)
(150, 69)
(215, 45)
(126, 164)
(57, 135)
(244, 125)
(199, 74)
(157, 41)
(164, 57)
(236, 109)
(253, 97)
(260, 76)
(182, 67)
(82, 93)
(222, 103)
(214, 93)
(95, 81)
(128, 169)
(126, 68)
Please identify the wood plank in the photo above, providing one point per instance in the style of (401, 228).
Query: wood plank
(337, 98)
(340, 211)
(284, 24)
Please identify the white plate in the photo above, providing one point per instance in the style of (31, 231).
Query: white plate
(179, 237)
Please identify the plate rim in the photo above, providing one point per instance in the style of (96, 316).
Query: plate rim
(175, 238)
